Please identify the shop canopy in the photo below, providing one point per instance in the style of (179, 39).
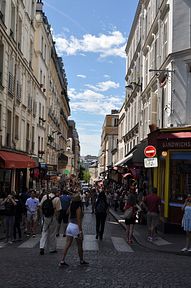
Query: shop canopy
(12, 160)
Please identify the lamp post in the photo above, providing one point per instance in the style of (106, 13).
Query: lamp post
(133, 85)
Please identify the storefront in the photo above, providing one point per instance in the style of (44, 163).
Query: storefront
(14, 171)
(173, 174)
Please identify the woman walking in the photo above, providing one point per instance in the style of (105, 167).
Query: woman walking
(101, 208)
(186, 223)
(130, 215)
(74, 230)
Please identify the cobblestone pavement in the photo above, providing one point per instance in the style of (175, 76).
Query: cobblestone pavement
(107, 267)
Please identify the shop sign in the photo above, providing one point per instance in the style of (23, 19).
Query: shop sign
(176, 144)
(150, 162)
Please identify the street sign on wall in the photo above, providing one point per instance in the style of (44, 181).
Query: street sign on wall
(150, 162)
(150, 151)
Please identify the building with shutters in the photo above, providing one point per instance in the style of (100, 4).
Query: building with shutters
(34, 104)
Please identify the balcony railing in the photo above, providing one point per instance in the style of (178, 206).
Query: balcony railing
(18, 94)
(11, 84)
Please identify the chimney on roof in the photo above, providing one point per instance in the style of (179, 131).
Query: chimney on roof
(39, 6)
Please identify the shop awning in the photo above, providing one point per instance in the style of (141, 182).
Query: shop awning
(136, 156)
(124, 160)
(12, 160)
(174, 135)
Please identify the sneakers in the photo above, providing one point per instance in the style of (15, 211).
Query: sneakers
(150, 239)
(63, 264)
(53, 252)
(83, 262)
(185, 249)
(41, 251)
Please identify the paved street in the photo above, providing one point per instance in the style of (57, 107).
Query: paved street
(112, 263)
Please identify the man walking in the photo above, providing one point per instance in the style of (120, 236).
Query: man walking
(65, 199)
(51, 206)
(152, 203)
(32, 204)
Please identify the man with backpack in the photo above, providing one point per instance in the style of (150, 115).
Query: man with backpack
(50, 207)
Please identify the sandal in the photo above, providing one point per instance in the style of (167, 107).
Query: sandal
(63, 263)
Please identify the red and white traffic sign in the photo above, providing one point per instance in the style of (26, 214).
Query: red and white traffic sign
(150, 151)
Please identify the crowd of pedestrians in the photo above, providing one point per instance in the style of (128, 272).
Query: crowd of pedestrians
(50, 209)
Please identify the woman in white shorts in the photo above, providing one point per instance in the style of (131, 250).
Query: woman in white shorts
(74, 229)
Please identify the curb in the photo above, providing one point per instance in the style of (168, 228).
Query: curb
(141, 244)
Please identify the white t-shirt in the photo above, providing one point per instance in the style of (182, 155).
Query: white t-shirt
(32, 204)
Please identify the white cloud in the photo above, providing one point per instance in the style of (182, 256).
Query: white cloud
(89, 145)
(81, 76)
(92, 102)
(112, 44)
(103, 86)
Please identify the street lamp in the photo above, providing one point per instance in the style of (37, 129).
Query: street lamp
(133, 85)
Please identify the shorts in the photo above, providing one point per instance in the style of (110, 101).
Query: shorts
(130, 221)
(152, 220)
(72, 230)
(31, 217)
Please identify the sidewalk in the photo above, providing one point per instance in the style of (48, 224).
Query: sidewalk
(169, 243)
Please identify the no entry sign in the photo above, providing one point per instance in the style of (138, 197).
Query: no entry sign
(150, 151)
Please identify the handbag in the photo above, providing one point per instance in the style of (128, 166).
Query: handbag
(128, 213)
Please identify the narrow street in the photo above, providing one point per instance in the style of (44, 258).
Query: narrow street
(112, 263)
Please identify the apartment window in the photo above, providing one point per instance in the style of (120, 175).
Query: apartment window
(16, 127)
(165, 40)
(115, 122)
(12, 29)
(28, 139)
(2, 9)
(40, 76)
(42, 144)
(11, 77)
(42, 44)
(39, 109)
(31, 53)
(32, 9)
(1, 63)
(38, 143)
(146, 69)
(20, 25)
(23, 135)
(43, 112)
(8, 136)
(33, 141)
(45, 52)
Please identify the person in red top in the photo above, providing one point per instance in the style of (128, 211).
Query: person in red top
(152, 203)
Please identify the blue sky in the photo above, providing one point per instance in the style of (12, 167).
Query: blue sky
(91, 37)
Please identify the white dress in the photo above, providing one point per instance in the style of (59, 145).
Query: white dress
(186, 220)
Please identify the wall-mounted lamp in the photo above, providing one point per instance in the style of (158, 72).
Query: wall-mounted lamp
(133, 85)
(56, 131)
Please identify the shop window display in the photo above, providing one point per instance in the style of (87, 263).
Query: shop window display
(180, 176)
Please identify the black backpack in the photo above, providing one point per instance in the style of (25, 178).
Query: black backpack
(47, 207)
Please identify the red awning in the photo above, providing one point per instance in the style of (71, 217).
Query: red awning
(174, 135)
(12, 160)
